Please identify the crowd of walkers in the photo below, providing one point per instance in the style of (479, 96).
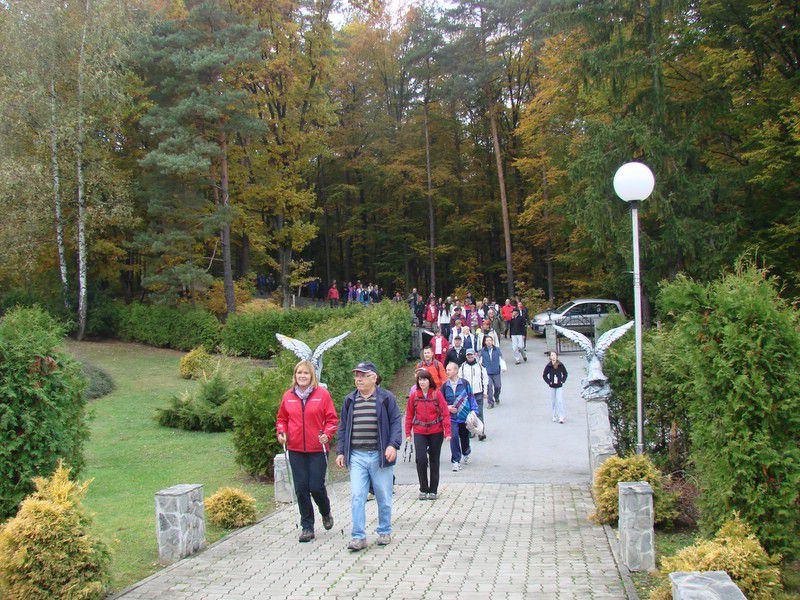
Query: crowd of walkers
(458, 375)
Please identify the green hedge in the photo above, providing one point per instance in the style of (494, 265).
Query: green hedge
(253, 334)
(157, 325)
(42, 416)
(726, 372)
(380, 333)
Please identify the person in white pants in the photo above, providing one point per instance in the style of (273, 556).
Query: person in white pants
(518, 331)
(555, 375)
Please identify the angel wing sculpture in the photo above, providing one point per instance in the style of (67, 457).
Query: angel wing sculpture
(303, 352)
(595, 386)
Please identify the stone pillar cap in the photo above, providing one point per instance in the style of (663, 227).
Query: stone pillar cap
(706, 584)
(634, 487)
(179, 490)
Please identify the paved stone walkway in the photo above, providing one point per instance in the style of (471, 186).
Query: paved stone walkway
(513, 524)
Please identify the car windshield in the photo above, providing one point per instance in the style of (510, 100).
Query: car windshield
(564, 307)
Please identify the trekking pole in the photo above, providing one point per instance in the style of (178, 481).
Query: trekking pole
(289, 469)
(325, 451)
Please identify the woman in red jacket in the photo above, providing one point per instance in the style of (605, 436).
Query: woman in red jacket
(307, 421)
(428, 419)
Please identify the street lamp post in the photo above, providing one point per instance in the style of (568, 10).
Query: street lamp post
(634, 182)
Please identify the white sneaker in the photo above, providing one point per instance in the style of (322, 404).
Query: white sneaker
(465, 459)
(561, 420)
(456, 466)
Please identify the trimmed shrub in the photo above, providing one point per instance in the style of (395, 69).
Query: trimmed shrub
(157, 325)
(380, 333)
(48, 550)
(253, 334)
(100, 382)
(735, 550)
(202, 409)
(195, 363)
(230, 508)
(42, 417)
(739, 364)
(631, 468)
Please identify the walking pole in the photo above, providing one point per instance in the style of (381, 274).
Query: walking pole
(288, 466)
(325, 450)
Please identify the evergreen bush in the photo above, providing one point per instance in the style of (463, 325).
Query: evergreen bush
(42, 415)
(193, 364)
(380, 333)
(157, 325)
(100, 383)
(202, 409)
(230, 508)
(636, 467)
(739, 361)
(735, 550)
(48, 551)
(253, 333)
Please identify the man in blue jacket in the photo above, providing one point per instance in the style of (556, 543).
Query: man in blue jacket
(492, 359)
(370, 433)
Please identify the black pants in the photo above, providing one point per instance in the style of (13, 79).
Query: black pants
(428, 448)
(308, 473)
(445, 330)
(506, 329)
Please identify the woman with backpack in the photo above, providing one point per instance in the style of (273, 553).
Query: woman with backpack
(457, 393)
(555, 375)
(428, 420)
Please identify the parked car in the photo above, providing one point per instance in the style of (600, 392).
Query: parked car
(580, 314)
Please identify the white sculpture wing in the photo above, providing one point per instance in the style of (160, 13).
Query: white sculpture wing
(578, 338)
(301, 349)
(609, 337)
(327, 345)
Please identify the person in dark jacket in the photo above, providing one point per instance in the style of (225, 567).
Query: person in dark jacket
(518, 330)
(370, 435)
(428, 420)
(555, 375)
(460, 401)
(457, 354)
(307, 421)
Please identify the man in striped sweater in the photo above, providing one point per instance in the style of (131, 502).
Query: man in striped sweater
(370, 434)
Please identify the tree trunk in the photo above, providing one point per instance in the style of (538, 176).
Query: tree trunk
(244, 256)
(82, 296)
(230, 298)
(548, 256)
(284, 261)
(62, 257)
(431, 224)
(503, 201)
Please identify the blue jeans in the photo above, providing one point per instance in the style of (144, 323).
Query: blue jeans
(365, 468)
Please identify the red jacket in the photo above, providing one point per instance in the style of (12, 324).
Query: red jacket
(333, 293)
(505, 312)
(436, 369)
(431, 313)
(430, 417)
(302, 424)
(439, 355)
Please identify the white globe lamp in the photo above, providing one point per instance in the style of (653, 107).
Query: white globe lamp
(634, 181)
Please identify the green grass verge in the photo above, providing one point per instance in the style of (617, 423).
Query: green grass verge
(131, 457)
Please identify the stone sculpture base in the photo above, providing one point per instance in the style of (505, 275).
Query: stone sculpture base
(636, 536)
(708, 585)
(180, 522)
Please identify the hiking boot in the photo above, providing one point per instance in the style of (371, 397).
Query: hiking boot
(307, 535)
(516, 362)
(357, 544)
(465, 460)
(384, 540)
(561, 420)
(525, 357)
(423, 496)
(481, 437)
(327, 521)
(433, 496)
(456, 466)
(491, 406)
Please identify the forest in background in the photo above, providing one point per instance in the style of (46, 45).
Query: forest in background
(153, 149)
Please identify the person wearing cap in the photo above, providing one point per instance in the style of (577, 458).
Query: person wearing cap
(371, 432)
(307, 422)
(456, 354)
(475, 374)
(518, 331)
(428, 420)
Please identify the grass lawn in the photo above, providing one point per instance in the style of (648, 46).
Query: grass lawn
(130, 456)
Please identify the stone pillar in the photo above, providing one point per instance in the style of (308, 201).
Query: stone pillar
(284, 490)
(636, 539)
(180, 521)
(707, 585)
(416, 341)
(550, 337)
(600, 438)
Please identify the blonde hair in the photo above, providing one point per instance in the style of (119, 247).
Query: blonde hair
(307, 364)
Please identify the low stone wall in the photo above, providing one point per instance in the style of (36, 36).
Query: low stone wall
(600, 438)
